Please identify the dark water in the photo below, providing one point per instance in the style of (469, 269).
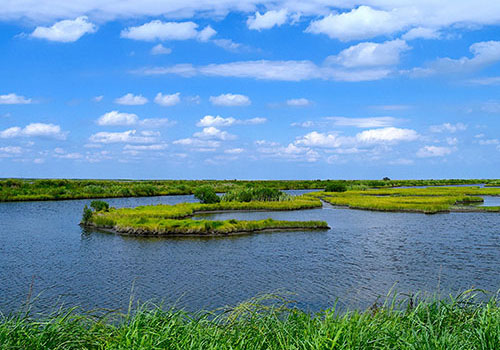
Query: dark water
(362, 256)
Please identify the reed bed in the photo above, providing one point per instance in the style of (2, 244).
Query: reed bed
(462, 322)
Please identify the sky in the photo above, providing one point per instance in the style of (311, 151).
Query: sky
(250, 89)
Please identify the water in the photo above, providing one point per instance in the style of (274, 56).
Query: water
(362, 256)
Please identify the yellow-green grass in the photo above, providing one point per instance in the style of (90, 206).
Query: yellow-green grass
(425, 200)
(175, 219)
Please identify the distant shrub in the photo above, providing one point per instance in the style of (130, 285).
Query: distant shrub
(87, 215)
(206, 195)
(386, 179)
(99, 205)
(336, 187)
(261, 194)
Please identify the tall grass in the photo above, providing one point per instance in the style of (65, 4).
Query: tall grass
(454, 323)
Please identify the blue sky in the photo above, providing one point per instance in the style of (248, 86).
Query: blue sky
(250, 89)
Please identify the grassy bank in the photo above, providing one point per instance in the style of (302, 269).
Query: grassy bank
(59, 189)
(454, 323)
(156, 220)
(425, 200)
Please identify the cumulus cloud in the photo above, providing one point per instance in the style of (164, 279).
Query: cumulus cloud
(115, 118)
(448, 127)
(422, 33)
(219, 121)
(10, 150)
(158, 30)
(234, 151)
(298, 102)
(267, 20)
(389, 134)
(483, 54)
(230, 100)
(121, 137)
(35, 130)
(156, 122)
(203, 145)
(212, 132)
(65, 31)
(368, 54)
(154, 147)
(206, 34)
(167, 100)
(160, 50)
(316, 139)
(131, 100)
(434, 151)
(13, 99)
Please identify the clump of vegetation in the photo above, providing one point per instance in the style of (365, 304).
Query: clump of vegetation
(99, 205)
(336, 187)
(262, 194)
(426, 200)
(87, 215)
(458, 323)
(206, 195)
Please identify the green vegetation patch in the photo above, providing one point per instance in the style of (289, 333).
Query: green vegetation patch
(175, 219)
(426, 200)
(456, 323)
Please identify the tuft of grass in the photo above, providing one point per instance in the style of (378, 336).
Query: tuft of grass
(267, 323)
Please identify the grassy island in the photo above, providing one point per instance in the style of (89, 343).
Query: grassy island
(453, 323)
(175, 220)
(425, 200)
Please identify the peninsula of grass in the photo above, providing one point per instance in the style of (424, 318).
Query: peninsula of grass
(461, 323)
(175, 220)
(427, 200)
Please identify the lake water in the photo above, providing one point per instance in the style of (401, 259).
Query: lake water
(360, 258)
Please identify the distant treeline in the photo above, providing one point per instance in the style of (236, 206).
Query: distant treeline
(56, 189)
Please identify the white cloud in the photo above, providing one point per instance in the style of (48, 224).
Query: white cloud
(115, 118)
(160, 50)
(120, 137)
(197, 143)
(389, 134)
(316, 139)
(359, 23)
(230, 100)
(219, 121)
(35, 130)
(374, 122)
(421, 33)
(227, 44)
(452, 141)
(489, 142)
(154, 147)
(267, 20)
(158, 30)
(12, 150)
(448, 127)
(206, 34)
(212, 132)
(370, 54)
(298, 102)
(13, 99)
(65, 31)
(483, 54)
(272, 70)
(485, 81)
(167, 100)
(434, 151)
(234, 151)
(131, 100)
(157, 122)
(97, 98)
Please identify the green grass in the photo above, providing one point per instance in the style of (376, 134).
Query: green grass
(427, 200)
(453, 323)
(58, 189)
(175, 219)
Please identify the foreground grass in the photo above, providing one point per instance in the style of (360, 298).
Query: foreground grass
(426, 200)
(57, 189)
(156, 220)
(454, 323)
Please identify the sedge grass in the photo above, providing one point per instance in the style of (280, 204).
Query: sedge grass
(457, 323)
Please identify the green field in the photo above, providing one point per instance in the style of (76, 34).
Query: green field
(426, 200)
(453, 323)
(57, 189)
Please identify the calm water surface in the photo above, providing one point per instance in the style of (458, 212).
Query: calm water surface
(362, 256)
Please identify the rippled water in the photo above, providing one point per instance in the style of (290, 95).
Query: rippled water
(362, 256)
